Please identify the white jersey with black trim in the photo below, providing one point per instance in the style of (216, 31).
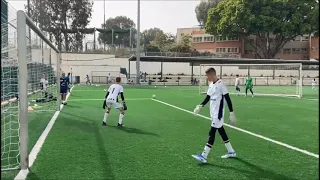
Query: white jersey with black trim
(314, 82)
(216, 91)
(44, 83)
(237, 82)
(114, 90)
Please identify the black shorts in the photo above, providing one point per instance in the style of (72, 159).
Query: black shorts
(63, 90)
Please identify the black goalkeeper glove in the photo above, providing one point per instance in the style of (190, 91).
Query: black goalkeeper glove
(104, 104)
(124, 106)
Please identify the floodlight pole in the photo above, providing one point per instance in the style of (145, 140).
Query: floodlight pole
(138, 47)
(104, 22)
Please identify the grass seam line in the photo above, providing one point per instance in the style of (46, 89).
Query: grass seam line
(247, 132)
(22, 175)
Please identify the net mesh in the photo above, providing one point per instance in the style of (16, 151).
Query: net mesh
(9, 92)
(267, 79)
(42, 89)
(42, 66)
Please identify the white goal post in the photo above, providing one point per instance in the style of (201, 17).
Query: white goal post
(268, 79)
(30, 87)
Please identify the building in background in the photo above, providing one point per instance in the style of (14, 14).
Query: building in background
(302, 47)
(314, 48)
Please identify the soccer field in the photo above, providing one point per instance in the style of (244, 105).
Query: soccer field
(161, 135)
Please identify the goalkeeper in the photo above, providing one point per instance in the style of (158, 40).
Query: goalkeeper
(216, 94)
(249, 85)
(111, 100)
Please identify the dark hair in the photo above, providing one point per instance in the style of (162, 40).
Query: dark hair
(118, 79)
(210, 70)
(68, 74)
(237, 75)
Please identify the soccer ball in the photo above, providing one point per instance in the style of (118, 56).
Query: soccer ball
(153, 96)
(104, 90)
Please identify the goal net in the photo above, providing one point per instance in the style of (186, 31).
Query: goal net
(267, 79)
(29, 89)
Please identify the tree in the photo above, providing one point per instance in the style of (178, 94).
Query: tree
(150, 34)
(203, 8)
(273, 22)
(59, 16)
(118, 23)
(184, 46)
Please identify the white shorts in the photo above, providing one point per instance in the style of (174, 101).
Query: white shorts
(216, 123)
(114, 104)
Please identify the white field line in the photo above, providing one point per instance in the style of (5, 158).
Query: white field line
(136, 99)
(247, 132)
(22, 175)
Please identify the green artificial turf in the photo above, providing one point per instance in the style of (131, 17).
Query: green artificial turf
(158, 140)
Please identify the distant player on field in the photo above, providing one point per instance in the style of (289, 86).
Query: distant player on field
(216, 94)
(88, 80)
(63, 88)
(111, 100)
(314, 83)
(43, 83)
(237, 83)
(249, 85)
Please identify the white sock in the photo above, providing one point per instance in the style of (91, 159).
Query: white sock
(206, 151)
(229, 147)
(105, 117)
(120, 118)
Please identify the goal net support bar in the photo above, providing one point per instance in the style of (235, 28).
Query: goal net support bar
(268, 79)
(23, 23)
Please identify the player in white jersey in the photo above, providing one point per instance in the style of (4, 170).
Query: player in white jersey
(111, 100)
(237, 83)
(314, 83)
(217, 94)
(43, 83)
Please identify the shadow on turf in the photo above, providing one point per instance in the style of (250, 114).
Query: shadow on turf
(133, 130)
(107, 171)
(256, 173)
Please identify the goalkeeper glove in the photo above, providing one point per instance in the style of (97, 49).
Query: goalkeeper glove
(124, 106)
(197, 110)
(104, 104)
(232, 119)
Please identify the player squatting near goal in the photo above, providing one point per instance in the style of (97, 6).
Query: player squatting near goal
(216, 94)
(111, 100)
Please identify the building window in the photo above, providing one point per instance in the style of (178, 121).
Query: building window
(232, 50)
(197, 39)
(221, 50)
(286, 51)
(304, 50)
(208, 39)
(221, 38)
(313, 49)
(233, 38)
(295, 50)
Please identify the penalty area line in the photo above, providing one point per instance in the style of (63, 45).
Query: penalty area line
(23, 173)
(247, 132)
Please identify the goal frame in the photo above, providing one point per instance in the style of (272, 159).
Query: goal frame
(299, 89)
(24, 22)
